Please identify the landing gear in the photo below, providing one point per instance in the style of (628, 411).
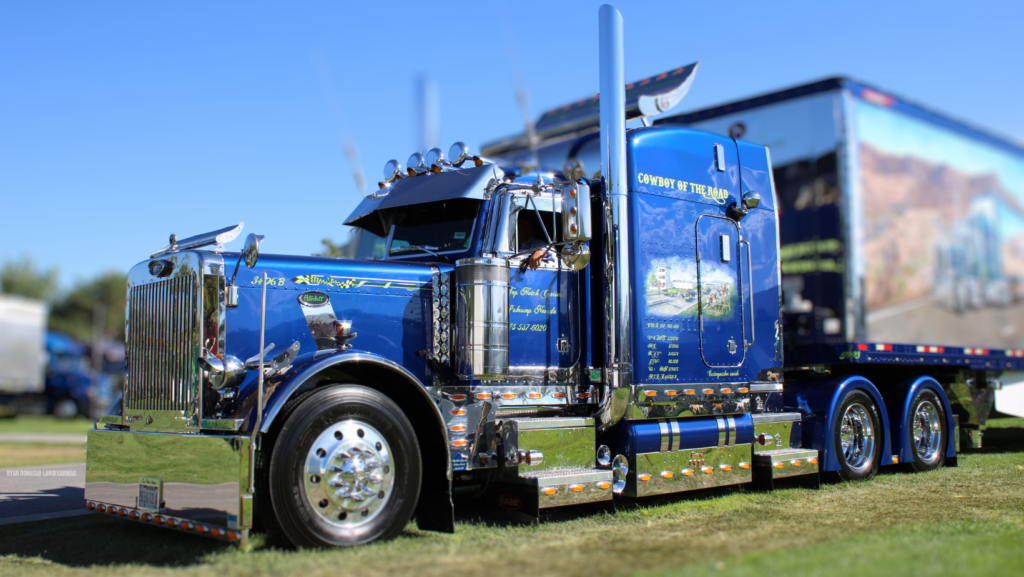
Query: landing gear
(928, 432)
(857, 435)
(345, 470)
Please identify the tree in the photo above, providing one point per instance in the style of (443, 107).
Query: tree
(331, 249)
(73, 314)
(21, 277)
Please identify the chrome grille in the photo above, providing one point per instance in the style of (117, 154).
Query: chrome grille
(162, 341)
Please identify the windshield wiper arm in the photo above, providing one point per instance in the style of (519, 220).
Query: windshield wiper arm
(412, 247)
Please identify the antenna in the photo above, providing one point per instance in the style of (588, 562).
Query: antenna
(427, 114)
(344, 135)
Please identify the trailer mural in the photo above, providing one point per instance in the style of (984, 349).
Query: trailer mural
(946, 214)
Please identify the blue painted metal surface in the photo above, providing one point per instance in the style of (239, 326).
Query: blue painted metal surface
(898, 400)
(640, 437)
(819, 400)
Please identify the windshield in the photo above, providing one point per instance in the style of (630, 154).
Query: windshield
(440, 227)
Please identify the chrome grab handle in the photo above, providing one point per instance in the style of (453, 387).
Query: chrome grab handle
(750, 283)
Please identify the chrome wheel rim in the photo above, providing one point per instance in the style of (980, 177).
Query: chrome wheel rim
(857, 436)
(927, 430)
(349, 473)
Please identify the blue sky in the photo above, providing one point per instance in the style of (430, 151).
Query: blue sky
(121, 122)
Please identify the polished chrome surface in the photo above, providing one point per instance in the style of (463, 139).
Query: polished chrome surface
(720, 158)
(217, 237)
(348, 474)
(223, 373)
(392, 168)
(164, 339)
(433, 157)
(543, 444)
(751, 199)
(575, 199)
(691, 469)
(441, 317)
(620, 473)
(927, 428)
(776, 418)
(260, 377)
(201, 477)
(618, 356)
(482, 329)
(604, 456)
(857, 435)
(251, 251)
(689, 400)
(786, 462)
(750, 284)
(458, 154)
(416, 164)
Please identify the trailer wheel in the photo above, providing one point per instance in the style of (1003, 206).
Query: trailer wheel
(857, 437)
(927, 432)
(345, 469)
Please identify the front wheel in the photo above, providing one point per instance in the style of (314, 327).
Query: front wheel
(345, 469)
(857, 437)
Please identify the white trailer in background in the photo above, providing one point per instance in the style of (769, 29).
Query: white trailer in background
(22, 350)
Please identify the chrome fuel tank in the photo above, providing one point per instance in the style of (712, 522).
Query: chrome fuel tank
(482, 289)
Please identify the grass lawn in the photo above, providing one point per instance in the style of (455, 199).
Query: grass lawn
(45, 424)
(954, 521)
(17, 454)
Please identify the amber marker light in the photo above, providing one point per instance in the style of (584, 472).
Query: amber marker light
(216, 532)
(147, 517)
(101, 508)
(477, 161)
(172, 522)
(483, 396)
(533, 395)
(459, 413)
(122, 512)
(707, 470)
(508, 396)
(813, 460)
(604, 485)
(133, 515)
(459, 443)
(233, 535)
(549, 491)
(687, 472)
(690, 391)
(667, 474)
(645, 477)
(458, 397)
(726, 467)
(112, 510)
(583, 395)
(90, 506)
(558, 395)
(671, 393)
(779, 465)
(797, 462)
(744, 465)
(651, 393)
(709, 391)
(726, 391)
(458, 428)
(186, 525)
(159, 519)
(576, 488)
(744, 390)
(895, 459)
(202, 529)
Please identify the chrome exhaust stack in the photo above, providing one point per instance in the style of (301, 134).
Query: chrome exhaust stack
(618, 356)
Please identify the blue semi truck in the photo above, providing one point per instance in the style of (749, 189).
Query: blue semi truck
(547, 337)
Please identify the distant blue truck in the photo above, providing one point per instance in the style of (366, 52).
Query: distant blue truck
(590, 314)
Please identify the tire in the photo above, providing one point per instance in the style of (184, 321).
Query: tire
(345, 469)
(927, 432)
(857, 437)
(66, 408)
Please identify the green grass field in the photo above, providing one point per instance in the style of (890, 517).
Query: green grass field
(954, 521)
(45, 424)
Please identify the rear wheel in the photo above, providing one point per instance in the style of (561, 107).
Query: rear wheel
(927, 432)
(857, 437)
(345, 469)
(65, 408)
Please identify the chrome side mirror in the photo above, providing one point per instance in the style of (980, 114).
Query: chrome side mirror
(576, 256)
(251, 250)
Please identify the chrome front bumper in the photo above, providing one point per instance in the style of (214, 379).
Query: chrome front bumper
(200, 480)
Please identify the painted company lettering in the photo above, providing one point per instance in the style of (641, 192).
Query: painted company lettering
(718, 195)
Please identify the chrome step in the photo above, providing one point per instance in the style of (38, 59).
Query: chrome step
(776, 430)
(783, 463)
(568, 486)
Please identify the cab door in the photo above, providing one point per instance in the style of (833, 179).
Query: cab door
(720, 310)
